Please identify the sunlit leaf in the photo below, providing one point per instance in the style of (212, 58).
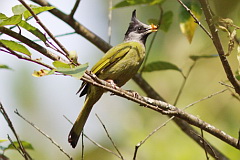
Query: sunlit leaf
(42, 72)
(160, 65)
(2, 17)
(16, 47)
(76, 72)
(36, 10)
(59, 64)
(3, 140)
(187, 23)
(18, 9)
(35, 31)
(2, 66)
(127, 3)
(25, 144)
(11, 20)
(195, 57)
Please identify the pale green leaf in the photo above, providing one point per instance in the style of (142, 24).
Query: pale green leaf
(16, 47)
(59, 64)
(3, 140)
(18, 9)
(160, 65)
(3, 66)
(14, 20)
(2, 17)
(36, 10)
(76, 72)
(35, 31)
(25, 144)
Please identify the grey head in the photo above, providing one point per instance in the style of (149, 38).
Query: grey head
(138, 31)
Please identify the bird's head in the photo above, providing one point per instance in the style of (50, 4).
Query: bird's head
(138, 31)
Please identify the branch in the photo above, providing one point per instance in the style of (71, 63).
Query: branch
(163, 108)
(195, 18)
(74, 8)
(21, 148)
(79, 28)
(218, 45)
(44, 134)
(45, 28)
(32, 45)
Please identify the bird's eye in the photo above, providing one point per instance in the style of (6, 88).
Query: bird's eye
(139, 28)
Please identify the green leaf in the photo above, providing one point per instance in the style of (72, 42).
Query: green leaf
(59, 64)
(166, 21)
(16, 47)
(127, 3)
(3, 140)
(33, 30)
(160, 65)
(11, 20)
(18, 9)
(25, 144)
(43, 72)
(36, 10)
(2, 66)
(187, 23)
(76, 72)
(194, 57)
(2, 17)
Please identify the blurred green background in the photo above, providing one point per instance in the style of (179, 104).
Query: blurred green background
(45, 100)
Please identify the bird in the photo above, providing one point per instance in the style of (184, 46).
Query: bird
(117, 66)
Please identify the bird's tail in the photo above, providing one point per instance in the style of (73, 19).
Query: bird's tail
(82, 118)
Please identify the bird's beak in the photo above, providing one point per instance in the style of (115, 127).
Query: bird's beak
(153, 28)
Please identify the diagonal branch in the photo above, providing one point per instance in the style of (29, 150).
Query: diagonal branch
(218, 45)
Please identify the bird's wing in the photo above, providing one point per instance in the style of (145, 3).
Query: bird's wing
(111, 57)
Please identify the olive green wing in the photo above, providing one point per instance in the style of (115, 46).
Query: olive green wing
(111, 57)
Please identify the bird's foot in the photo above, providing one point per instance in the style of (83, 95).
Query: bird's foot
(113, 85)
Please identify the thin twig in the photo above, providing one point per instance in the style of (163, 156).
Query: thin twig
(65, 52)
(204, 145)
(95, 143)
(165, 123)
(205, 98)
(32, 44)
(104, 127)
(23, 151)
(183, 83)
(195, 18)
(8, 50)
(44, 134)
(148, 136)
(227, 85)
(74, 9)
(152, 40)
(18, 149)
